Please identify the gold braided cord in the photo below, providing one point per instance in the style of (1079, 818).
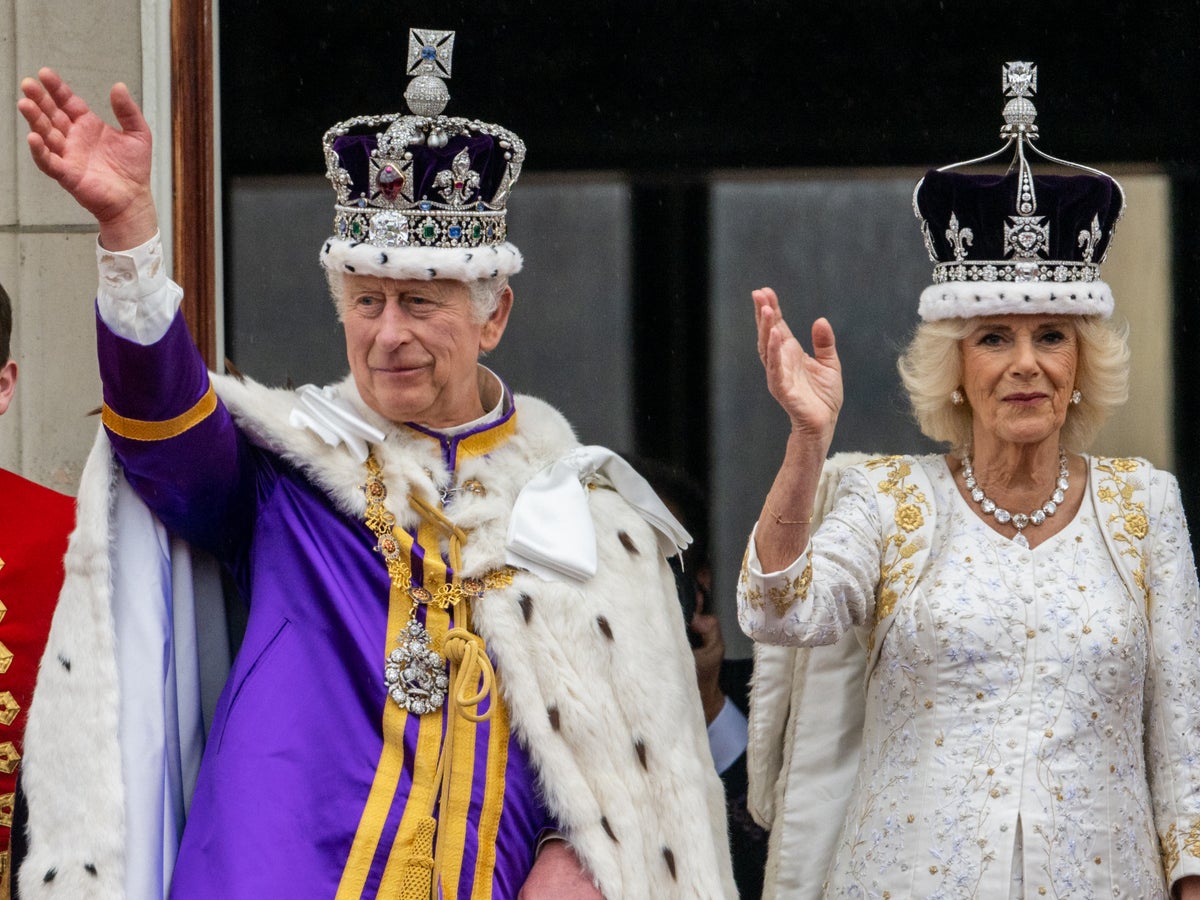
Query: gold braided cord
(435, 517)
(391, 545)
(472, 677)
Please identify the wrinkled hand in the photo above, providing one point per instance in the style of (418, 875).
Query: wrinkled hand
(557, 874)
(106, 170)
(808, 387)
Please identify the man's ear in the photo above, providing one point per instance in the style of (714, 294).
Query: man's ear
(494, 327)
(8, 384)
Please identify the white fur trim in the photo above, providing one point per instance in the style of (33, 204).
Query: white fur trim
(966, 299)
(422, 263)
(623, 765)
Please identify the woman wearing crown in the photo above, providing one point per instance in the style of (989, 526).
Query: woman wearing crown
(1031, 613)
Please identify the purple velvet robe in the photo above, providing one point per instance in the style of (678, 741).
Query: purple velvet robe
(291, 771)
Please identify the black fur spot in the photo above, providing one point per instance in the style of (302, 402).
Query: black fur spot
(552, 713)
(608, 829)
(468, 257)
(432, 273)
(495, 272)
(350, 268)
(66, 663)
(90, 868)
(383, 259)
(670, 858)
(49, 876)
(527, 608)
(605, 628)
(627, 543)
(327, 246)
(640, 746)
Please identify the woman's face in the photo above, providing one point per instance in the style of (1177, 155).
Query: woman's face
(1018, 374)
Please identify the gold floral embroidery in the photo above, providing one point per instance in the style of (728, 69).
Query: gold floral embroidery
(897, 571)
(791, 592)
(1175, 844)
(909, 517)
(752, 595)
(1128, 523)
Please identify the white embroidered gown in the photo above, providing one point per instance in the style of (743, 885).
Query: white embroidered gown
(1030, 731)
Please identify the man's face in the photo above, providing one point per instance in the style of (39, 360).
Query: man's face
(413, 347)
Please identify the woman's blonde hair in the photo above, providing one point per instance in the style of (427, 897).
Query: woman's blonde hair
(931, 369)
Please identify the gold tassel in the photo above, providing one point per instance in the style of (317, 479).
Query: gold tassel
(417, 883)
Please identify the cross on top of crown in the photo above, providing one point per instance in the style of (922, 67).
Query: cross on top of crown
(430, 52)
(1019, 79)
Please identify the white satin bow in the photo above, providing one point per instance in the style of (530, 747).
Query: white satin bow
(551, 532)
(331, 417)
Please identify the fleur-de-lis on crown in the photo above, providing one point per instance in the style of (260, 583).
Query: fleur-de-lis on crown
(959, 239)
(459, 182)
(1089, 238)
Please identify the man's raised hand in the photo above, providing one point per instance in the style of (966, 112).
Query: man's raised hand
(106, 169)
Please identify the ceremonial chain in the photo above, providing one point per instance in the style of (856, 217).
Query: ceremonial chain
(415, 673)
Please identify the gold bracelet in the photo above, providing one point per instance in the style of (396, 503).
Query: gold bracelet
(779, 519)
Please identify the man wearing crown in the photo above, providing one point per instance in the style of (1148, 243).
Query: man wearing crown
(465, 673)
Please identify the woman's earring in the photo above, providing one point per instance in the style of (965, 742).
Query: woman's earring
(957, 399)
(1076, 397)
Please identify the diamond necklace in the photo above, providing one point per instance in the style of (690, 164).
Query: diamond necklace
(1019, 520)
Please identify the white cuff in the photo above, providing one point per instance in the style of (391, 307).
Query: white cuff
(754, 567)
(728, 736)
(136, 299)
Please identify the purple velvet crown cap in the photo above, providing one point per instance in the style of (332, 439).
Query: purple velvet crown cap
(990, 260)
(355, 148)
(983, 203)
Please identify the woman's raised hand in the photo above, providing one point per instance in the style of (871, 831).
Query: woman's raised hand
(808, 387)
(106, 170)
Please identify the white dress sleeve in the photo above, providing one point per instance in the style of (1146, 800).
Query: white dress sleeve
(830, 587)
(1172, 707)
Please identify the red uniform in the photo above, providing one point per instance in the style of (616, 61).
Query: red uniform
(34, 525)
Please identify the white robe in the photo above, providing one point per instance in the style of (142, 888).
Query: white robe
(1030, 724)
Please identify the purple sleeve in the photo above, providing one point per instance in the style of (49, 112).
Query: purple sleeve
(199, 482)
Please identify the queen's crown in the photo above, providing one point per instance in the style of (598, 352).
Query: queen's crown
(1017, 227)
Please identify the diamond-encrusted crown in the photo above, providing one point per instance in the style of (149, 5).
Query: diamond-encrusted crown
(422, 180)
(1017, 243)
